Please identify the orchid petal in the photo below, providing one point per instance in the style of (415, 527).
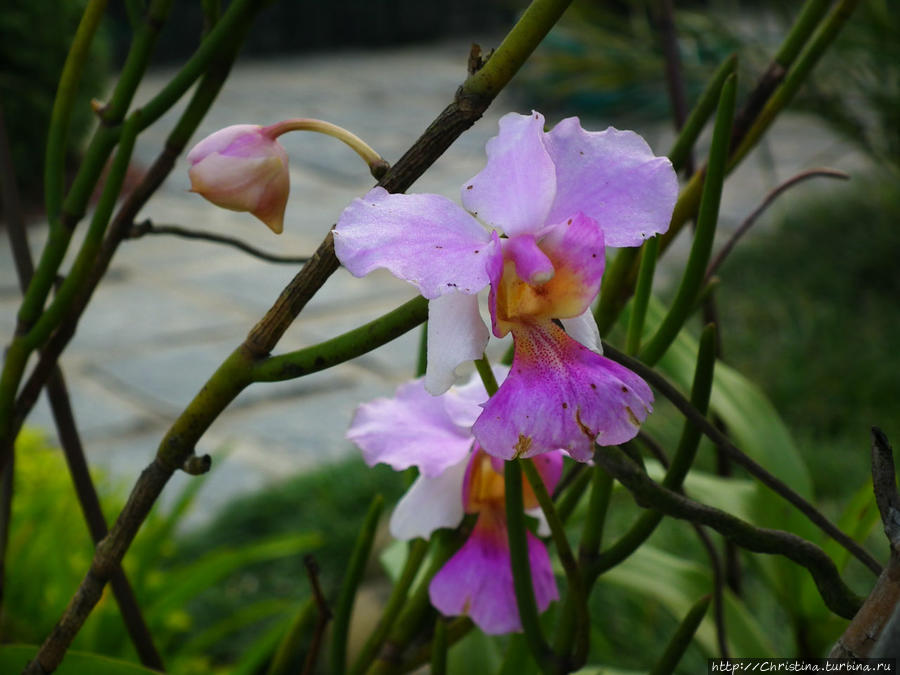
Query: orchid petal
(456, 334)
(532, 264)
(430, 504)
(411, 429)
(463, 403)
(613, 177)
(515, 189)
(559, 394)
(424, 239)
(583, 329)
(477, 581)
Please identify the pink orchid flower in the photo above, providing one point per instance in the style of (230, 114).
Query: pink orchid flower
(456, 477)
(560, 198)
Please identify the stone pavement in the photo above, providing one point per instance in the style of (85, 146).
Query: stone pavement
(170, 310)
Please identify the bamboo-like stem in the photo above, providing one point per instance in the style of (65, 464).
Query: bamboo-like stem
(576, 589)
(55, 157)
(681, 463)
(663, 386)
(521, 568)
(399, 594)
(340, 628)
(837, 595)
(754, 117)
(707, 218)
(681, 639)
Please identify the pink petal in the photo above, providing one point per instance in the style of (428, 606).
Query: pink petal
(456, 334)
(238, 139)
(411, 429)
(532, 264)
(515, 189)
(424, 239)
(477, 581)
(613, 177)
(576, 247)
(560, 394)
(463, 403)
(429, 504)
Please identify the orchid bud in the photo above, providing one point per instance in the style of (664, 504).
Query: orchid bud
(243, 168)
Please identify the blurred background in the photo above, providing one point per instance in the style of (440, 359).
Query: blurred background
(808, 303)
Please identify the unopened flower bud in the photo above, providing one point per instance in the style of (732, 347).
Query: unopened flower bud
(243, 168)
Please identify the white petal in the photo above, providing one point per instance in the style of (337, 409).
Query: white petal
(456, 334)
(430, 504)
(583, 328)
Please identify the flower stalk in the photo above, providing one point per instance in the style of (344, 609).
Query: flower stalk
(376, 163)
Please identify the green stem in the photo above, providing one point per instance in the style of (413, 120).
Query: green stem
(409, 623)
(422, 356)
(343, 347)
(708, 216)
(55, 158)
(595, 522)
(641, 296)
(681, 639)
(569, 500)
(575, 606)
(809, 57)
(534, 24)
(521, 568)
(684, 456)
(341, 626)
(620, 276)
(234, 20)
(91, 245)
(700, 113)
(439, 648)
(99, 149)
(399, 594)
(291, 645)
(483, 367)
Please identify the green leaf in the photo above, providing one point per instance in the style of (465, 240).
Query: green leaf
(13, 658)
(184, 583)
(676, 584)
(737, 496)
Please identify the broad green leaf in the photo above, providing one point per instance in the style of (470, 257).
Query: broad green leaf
(676, 583)
(13, 658)
(737, 496)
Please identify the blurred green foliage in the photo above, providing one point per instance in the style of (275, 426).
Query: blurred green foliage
(34, 40)
(50, 547)
(810, 307)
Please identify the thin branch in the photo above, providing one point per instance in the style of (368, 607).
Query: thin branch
(873, 626)
(138, 230)
(674, 79)
(884, 483)
(836, 594)
(758, 211)
(323, 615)
(738, 456)
(68, 434)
